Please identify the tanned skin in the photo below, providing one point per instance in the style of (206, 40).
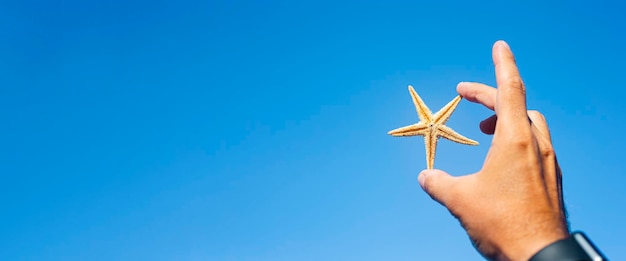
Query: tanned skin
(512, 207)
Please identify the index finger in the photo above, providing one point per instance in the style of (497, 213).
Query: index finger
(511, 97)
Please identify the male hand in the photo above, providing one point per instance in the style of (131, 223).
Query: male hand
(513, 206)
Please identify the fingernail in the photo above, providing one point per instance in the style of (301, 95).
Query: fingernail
(421, 177)
(504, 44)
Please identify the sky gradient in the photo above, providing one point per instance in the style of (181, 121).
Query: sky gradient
(244, 130)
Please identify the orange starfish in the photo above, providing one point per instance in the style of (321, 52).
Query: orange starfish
(432, 126)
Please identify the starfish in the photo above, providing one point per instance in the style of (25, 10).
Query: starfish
(432, 126)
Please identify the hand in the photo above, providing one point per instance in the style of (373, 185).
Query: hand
(513, 206)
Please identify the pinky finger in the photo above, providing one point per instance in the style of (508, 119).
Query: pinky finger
(540, 123)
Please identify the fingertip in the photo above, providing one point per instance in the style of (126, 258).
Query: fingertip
(438, 184)
(421, 177)
(467, 90)
(501, 50)
(501, 44)
(477, 93)
(461, 88)
(488, 126)
(426, 173)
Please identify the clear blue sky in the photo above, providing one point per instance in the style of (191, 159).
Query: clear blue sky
(234, 130)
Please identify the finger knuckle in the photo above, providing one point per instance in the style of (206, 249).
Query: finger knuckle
(522, 142)
(515, 82)
(547, 151)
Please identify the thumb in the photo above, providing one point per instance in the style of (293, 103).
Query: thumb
(438, 184)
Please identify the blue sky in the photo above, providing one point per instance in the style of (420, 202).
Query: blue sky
(240, 130)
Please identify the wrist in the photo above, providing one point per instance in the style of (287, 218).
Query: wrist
(525, 248)
(576, 247)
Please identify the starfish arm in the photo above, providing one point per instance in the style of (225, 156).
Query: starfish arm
(430, 140)
(411, 130)
(423, 112)
(442, 116)
(450, 134)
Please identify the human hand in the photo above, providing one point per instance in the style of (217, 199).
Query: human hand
(513, 206)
